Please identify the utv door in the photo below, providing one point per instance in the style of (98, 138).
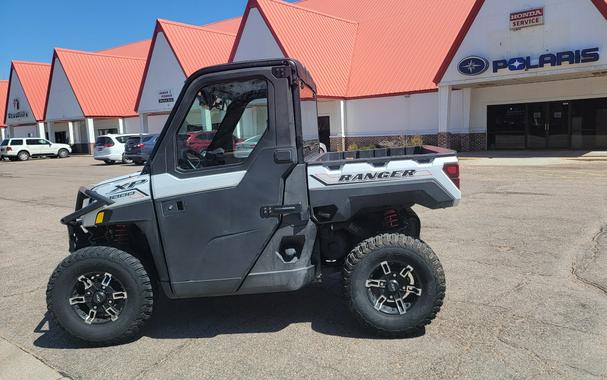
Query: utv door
(208, 198)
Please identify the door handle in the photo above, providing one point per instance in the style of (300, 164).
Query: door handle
(172, 207)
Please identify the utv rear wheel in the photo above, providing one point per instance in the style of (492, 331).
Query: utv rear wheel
(101, 295)
(394, 284)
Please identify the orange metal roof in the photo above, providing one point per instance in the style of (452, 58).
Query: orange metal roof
(3, 100)
(34, 77)
(104, 85)
(196, 47)
(229, 26)
(137, 49)
(361, 48)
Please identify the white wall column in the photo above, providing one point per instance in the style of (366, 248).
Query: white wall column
(342, 123)
(70, 132)
(2, 133)
(50, 127)
(120, 125)
(208, 122)
(444, 107)
(143, 123)
(90, 134)
(41, 130)
(11, 131)
(466, 107)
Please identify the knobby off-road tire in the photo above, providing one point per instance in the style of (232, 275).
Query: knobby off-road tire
(400, 263)
(127, 278)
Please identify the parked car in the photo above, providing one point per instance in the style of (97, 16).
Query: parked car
(23, 148)
(110, 148)
(200, 141)
(244, 149)
(138, 148)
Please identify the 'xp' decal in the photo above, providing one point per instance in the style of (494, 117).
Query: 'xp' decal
(339, 179)
(128, 186)
(128, 190)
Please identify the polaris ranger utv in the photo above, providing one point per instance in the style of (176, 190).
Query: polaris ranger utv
(259, 209)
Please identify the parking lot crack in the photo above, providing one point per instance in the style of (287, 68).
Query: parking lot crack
(582, 265)
(24, 292)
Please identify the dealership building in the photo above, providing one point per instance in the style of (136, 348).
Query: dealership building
(24, 115)
(464, 74)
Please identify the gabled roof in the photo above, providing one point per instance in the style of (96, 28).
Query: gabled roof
(104, 85)
(194, 46)
(34, 77)
(601, 5)
(395, 47)
(3, 100)
(137, 49)
(323, 43)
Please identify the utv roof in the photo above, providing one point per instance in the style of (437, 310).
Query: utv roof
(296, 68)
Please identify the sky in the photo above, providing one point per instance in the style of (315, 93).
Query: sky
(32, 28)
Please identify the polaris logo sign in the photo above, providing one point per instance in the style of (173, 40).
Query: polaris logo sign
(475, 65)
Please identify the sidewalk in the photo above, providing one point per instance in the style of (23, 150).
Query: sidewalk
(18, 364)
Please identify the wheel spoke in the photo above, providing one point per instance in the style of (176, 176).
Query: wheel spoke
(413, 289)
(375, 284)
(86, 281)
(385, 267)
(401, 306)
(91, 316)
(76, 300)
(380, 302)
(113, 313)
(119, 295)
(407, 273)
(107, 278)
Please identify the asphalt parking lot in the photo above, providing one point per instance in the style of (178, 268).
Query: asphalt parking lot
(524, 255)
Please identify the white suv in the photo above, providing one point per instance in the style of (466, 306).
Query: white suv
(110, 148)
(23, 148)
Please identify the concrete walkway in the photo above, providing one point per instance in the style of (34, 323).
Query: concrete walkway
(16, 363)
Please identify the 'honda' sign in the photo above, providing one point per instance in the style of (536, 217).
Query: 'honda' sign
(532, 17)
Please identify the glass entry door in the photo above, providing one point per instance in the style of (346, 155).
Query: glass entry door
(558, 125)
(548, 125)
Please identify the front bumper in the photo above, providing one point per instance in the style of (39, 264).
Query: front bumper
(73, 222)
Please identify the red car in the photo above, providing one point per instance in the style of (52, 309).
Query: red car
(200, 141)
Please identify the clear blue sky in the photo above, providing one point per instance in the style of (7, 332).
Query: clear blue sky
(32, 28)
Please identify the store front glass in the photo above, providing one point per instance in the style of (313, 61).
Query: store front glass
(575, 124)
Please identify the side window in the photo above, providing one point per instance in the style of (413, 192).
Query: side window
(16, 142)
(309, 119)
(35, 141)
(223, 125)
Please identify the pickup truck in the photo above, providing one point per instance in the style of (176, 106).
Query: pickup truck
(215, 223)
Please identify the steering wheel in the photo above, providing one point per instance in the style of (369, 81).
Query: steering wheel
(192, 158)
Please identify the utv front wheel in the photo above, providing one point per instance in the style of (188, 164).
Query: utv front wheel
(101, 295)
(394, 284)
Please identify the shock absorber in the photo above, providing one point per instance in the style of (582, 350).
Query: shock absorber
(391, 219)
